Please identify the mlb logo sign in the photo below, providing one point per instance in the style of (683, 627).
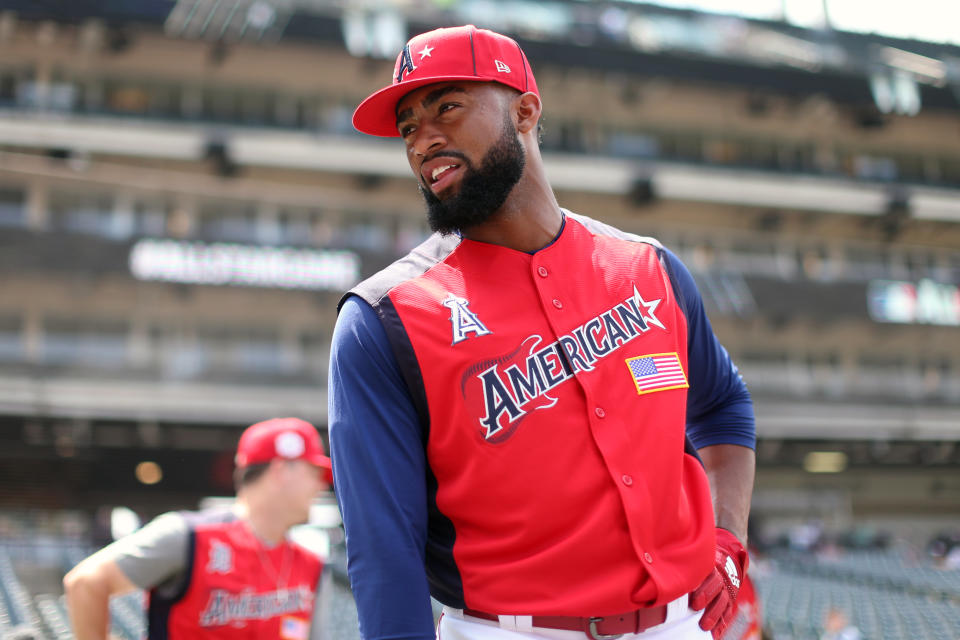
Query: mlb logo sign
(657, 372)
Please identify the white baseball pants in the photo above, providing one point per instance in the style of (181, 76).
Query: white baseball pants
(682, 623)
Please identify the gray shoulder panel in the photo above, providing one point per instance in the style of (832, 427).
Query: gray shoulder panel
(423, 257)
(154, 554)
(603, 229)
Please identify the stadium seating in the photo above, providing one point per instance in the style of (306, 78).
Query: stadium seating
(126, 616)
(4, 613)
(15, 597)
(53, 613)
(883, 594)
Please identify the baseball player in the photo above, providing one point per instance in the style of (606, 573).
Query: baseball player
(223, 574)
(530, 416)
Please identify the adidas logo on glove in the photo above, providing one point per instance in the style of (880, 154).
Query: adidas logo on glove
(731, 568)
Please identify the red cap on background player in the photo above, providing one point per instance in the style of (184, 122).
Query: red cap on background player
(285, 438)
(445, 55)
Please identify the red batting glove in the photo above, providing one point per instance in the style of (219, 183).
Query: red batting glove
(718, 592)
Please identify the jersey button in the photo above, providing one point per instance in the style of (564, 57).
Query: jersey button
(648, 557)
(627, 479)
(542, 271)
(600, 412)
(557, 304)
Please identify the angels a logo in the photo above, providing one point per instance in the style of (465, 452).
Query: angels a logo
(221, 558)
(405, 63)
(462, 320)
(507, 388)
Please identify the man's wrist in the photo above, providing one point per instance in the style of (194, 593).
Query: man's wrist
(731, 545)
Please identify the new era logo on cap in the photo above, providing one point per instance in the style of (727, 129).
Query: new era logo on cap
(451, 54)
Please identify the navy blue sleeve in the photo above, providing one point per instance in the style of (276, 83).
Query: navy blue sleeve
(719, 407)
(379, 471)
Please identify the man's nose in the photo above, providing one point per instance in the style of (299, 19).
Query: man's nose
(427, 139)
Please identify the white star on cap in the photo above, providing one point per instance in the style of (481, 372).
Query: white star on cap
(425, 52)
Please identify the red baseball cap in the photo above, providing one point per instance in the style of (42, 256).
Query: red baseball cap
(445, 55)
(286, 438)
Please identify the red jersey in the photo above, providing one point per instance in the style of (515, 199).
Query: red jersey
(238, 588)
(580, 399)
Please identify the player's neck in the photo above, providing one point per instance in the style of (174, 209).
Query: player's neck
(529, 220)
(265, 524)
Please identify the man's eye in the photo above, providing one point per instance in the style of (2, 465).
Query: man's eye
(406, 130)
(446, 106)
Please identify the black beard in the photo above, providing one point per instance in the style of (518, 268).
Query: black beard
(482, 191)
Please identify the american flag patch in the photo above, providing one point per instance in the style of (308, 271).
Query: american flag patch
(657, 372)
(294, 629)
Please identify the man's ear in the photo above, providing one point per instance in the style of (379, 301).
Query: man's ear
(528, 109)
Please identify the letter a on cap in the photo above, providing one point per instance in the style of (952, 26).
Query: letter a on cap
(406, 63)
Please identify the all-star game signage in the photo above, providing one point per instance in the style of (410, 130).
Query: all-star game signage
(243, 265)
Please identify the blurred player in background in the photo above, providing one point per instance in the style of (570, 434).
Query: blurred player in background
(223, 573)
(837, 626)
(530, 415)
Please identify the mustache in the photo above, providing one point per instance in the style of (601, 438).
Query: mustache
(445, 154)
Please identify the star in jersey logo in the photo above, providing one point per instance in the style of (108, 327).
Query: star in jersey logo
(425, 52)
(651, 308)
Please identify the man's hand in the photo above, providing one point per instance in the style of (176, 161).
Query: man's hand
(718, 592)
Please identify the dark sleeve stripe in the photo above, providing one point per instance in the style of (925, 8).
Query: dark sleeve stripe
(407, 359)
(681, 301)
(443, 575)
